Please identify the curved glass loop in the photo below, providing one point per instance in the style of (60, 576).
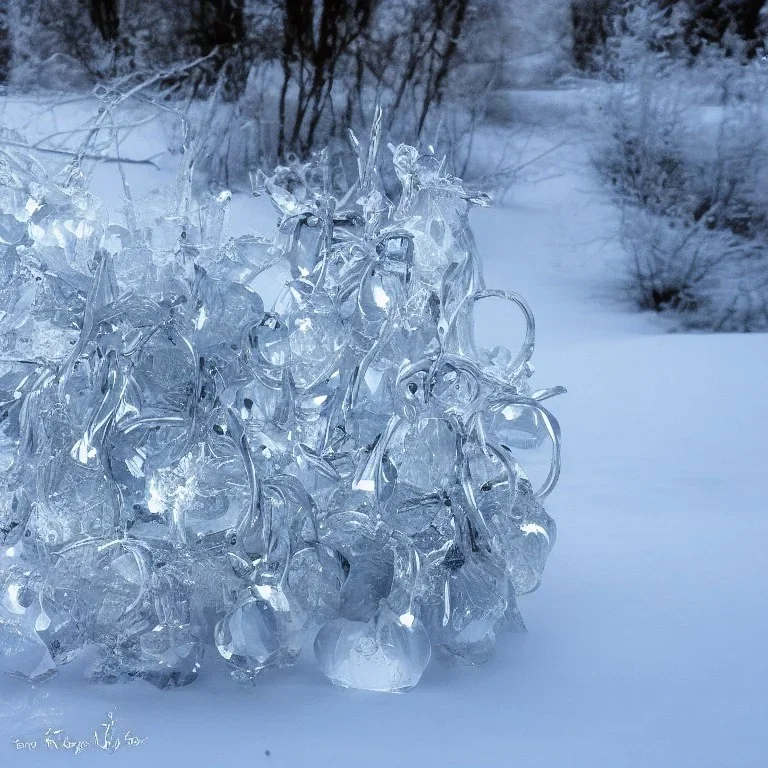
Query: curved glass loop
(497, 405)
(466, 340)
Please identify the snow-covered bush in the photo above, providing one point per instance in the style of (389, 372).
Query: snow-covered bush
(691, 183)
(673, 267)
(643, 156)
(109, 38)
(610, 35)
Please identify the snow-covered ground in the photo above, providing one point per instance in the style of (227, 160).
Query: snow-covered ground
(646, 641)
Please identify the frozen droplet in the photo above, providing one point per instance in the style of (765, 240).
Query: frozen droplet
(388, 653)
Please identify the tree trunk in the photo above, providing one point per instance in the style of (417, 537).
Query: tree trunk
(105, 15)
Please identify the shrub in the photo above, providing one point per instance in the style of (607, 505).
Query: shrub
(609, 34)
(690, 182)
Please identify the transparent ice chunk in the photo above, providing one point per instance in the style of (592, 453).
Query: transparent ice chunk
(22, 652)
(264, 629)
(180, 462)
(388, 653)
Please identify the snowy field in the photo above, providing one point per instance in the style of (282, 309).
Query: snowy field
(646, 642)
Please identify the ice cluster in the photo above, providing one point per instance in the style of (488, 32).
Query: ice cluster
(183, 467)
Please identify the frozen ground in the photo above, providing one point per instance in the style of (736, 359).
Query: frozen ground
(646, 642)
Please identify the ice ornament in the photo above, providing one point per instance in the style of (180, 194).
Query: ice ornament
(183, 467)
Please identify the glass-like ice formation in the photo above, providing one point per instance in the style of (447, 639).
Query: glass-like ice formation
(181, 466)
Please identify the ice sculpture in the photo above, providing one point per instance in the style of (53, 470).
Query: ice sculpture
(183, 467)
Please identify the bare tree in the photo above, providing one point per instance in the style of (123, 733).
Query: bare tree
(218, 27)
(318, 38)
(105, 16)
(6, 51)
(334, 52)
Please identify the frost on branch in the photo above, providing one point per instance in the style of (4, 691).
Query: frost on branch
(182, 464)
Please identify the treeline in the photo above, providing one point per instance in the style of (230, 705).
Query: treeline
(681, 29)
(320, 64)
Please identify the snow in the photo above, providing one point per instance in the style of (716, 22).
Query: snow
(646, 641)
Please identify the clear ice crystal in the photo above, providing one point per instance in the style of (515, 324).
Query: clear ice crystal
(22, 651)
(182, 466)
(388, 653)
(264, 629)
